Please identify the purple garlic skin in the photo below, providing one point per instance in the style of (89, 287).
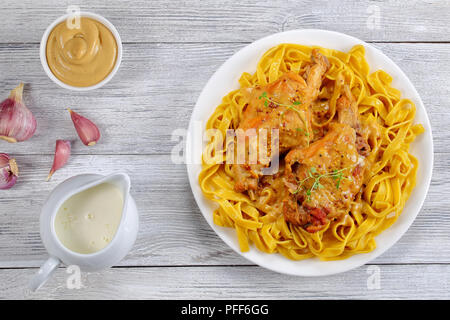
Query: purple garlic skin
(8, 172)
(62, 155)
(17, 123)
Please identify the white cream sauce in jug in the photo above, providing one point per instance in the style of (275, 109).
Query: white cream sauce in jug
(87, 221)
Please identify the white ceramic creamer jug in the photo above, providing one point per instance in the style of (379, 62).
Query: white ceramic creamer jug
(112, 253)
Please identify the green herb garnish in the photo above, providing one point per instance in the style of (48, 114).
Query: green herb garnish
(267, 100)
(289, 106)
(337, 175)
(303, 131)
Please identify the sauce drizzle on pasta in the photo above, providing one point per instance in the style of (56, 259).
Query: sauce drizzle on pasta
(385, 183)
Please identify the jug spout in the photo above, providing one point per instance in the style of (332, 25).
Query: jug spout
(102, 202)
(120, 180)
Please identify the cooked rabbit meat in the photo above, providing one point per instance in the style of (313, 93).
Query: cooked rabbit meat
(328, 174)
(284, 105)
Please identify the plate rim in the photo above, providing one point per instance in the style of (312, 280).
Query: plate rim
(198, 196)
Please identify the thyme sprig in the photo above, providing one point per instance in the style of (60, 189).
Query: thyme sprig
(290, 106)
(268, 100)
(336, 175)
(306, 133)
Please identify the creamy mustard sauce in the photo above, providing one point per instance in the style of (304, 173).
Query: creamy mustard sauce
(83, 56)
(88, 221)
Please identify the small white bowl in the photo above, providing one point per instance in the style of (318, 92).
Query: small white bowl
(43, 48)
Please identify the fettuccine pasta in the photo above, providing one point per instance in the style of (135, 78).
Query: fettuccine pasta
(258, 212)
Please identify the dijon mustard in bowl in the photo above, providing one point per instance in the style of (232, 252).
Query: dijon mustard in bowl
(81, 52)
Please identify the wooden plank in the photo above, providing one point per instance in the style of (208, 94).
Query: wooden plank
(170, 51)
(245, 282)
(172, 230)
(237, 21)
(157, 86)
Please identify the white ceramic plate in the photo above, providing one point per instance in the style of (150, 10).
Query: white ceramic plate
(226, 79)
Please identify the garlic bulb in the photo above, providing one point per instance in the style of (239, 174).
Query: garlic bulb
(17, 123)
(8, 172)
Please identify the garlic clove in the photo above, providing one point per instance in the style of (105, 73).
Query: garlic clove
(62, 155)
(9, 171)
(17, 123)
(86, 129)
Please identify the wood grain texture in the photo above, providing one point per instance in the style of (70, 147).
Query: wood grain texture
(171, 49)
(236, 21)
(172, 230)
(156, 89)
(244, 282)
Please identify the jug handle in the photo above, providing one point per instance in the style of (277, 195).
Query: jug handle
(44, 273)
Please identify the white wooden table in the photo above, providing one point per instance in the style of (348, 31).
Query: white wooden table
(171, 48)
